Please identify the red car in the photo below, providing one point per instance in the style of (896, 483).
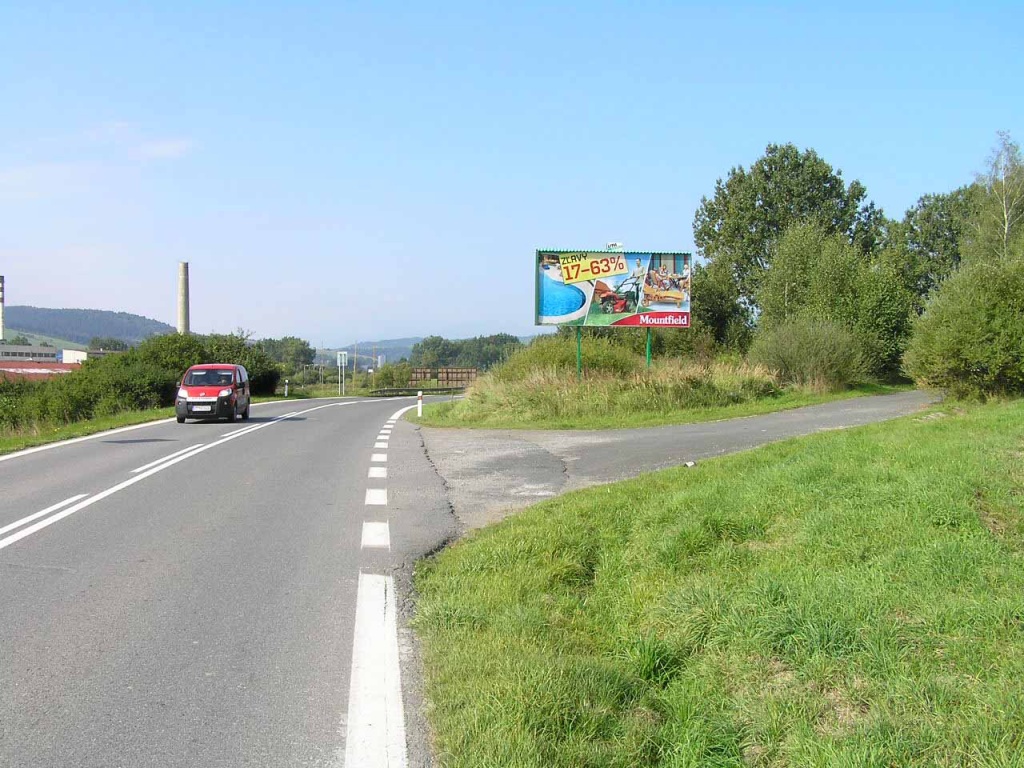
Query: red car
(213, 391)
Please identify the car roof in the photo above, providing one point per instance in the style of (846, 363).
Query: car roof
(208, 366)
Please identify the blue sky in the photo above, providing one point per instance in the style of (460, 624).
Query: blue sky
(343, 171)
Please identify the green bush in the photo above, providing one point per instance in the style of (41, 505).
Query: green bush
(970, 339)
(818, 353)
(142, 378)
(558, 353)
(824, 277)
(264, 373)
(394, 375)
(173, 352)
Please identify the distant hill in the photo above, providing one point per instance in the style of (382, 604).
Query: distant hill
(81, 325)
(392, 349)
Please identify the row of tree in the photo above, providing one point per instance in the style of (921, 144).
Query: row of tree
(481, 352)
(142, 377)
(789, 241)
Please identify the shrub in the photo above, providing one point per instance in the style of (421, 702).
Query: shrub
(264, 374)
(557, 397)
(970, 339)
(558, 353)
(173, 353)
(821, 354)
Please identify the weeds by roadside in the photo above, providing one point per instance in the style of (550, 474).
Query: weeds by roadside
(671, 392)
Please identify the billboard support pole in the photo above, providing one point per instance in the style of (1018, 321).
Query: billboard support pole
(579, 353)
(648, 347)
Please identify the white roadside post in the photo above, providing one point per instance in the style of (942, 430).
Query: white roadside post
(286, 387)
(419, 403)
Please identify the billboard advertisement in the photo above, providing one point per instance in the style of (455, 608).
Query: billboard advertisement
(613, 288)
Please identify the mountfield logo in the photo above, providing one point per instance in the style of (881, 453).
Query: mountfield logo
(671, 318)
(656, 319)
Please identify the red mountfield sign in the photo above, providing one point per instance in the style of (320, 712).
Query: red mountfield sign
(656, 320)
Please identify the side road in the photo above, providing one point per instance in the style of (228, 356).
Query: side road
(491, 473)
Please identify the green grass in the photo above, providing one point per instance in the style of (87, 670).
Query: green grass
(605, 411)
(852, 598)
(37, 339)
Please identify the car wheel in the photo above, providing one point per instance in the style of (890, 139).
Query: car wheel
(181, 419)
(245, 413)
(231, 416)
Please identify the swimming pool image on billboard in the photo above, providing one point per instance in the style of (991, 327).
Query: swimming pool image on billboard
(558, 302)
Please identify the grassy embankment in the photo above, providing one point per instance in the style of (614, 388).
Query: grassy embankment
(852, 598)
(671, 392)
(39, 434)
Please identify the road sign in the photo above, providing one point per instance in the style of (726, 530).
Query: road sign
(342, 359)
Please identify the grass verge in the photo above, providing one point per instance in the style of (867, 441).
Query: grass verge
(852, 598)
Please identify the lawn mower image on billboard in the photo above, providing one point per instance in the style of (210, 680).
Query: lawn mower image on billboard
(618, 301)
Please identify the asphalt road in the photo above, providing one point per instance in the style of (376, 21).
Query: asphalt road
(217, 594)
(201, 612)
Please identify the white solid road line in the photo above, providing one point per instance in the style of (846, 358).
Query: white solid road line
(254, 427)
(37, 515)
(378, 473)
(170, 462)
(376, 536)
(376, 497)
(398, 414)
(379, 458)
(375, 726)
(158, 422)
(162, 459)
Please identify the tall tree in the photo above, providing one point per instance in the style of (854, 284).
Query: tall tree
(752, 208)
(821, 276)
(999, 221)
(935, 231)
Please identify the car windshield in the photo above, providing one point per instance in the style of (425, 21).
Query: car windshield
(207, 377)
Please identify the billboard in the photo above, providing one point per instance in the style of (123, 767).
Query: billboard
(612, 288)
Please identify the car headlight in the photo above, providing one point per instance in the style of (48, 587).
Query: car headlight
(224, 392)
(183, 393)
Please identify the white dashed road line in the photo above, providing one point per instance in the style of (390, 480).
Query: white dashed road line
(376, 497)
(375, 727)
(376, 536)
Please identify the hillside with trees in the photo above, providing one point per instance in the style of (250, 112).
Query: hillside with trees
(83, 325)
(481, 352)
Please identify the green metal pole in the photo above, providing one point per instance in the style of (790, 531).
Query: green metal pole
(648, 347)
(579, 353)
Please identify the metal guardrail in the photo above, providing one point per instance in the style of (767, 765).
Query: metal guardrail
(405, 391)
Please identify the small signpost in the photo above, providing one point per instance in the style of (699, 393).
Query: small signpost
(342, 365)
